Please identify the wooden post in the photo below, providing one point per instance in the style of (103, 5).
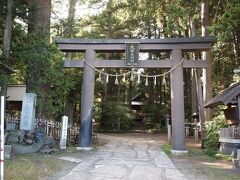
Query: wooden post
(169, 129)
(238, 107)
(177, 103)
(2, 136)
(169, 133)
(187, 130)
(85, 138)
(196, 130)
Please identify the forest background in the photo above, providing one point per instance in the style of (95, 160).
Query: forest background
(28, 29)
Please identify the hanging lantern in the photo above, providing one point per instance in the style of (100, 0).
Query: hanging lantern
(164, 82)
(107, 79)
(138, 80)
(116, 80)
(146, 82)
(124, 78)
(155, 80)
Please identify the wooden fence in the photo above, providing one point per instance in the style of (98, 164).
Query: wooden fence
(52, 128)
(230, 133)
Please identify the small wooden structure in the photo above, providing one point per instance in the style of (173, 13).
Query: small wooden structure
(137, 101)
(229, 137)
(137, 105)
(15, 97)
(229, 140)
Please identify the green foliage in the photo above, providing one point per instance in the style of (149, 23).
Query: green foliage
(228, 22)
(225, 26)
(154, 115)
(212, 128)
(61, 82)
(223, 65)
(116, 116)
(41, 65)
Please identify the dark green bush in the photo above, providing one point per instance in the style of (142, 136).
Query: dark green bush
(116, 116)
(212, 129)
(154, 116)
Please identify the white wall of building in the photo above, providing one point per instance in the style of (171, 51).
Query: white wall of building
(15, 92)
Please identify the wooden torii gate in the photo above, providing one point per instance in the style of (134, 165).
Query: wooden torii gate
(176, 46)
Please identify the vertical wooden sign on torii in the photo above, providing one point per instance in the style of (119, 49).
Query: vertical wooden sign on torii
(175, 46)
(132, 54)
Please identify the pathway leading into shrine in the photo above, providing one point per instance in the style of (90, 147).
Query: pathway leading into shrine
(126, 158)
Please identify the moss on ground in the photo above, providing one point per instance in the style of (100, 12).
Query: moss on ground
(31, 166)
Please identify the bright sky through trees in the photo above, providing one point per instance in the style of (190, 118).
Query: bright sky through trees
(60, 9)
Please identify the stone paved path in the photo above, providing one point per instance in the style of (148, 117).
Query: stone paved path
(126, 159)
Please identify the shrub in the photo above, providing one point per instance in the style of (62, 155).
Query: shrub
(154, 116)
(116, 116)
(212, 129)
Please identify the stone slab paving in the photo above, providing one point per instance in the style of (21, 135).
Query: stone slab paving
(126, 159)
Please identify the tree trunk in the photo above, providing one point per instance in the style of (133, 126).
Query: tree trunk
(130, 90)
(69, 105)
(105, 86)
(207, 73)
(6, 42)
(39, 17)
(200, 105)
(8, 31)
(38, 39)
(109, 36)
(197, 94)
(71, 16)
(194, 86)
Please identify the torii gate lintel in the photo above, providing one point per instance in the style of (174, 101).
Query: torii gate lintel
(165, 63)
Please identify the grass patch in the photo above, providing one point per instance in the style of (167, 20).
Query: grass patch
(209, 163)
(223, 157)
(166, 148)
(31, 166)
(208, 155)
(71, 149)
(204, 155)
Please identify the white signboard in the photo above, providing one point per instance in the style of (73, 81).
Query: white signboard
(63, 134)
(28, 111)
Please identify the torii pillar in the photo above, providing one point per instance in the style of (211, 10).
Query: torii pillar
(85, 138)
(177, 103)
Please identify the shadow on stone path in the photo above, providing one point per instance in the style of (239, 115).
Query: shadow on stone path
(125, 158)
